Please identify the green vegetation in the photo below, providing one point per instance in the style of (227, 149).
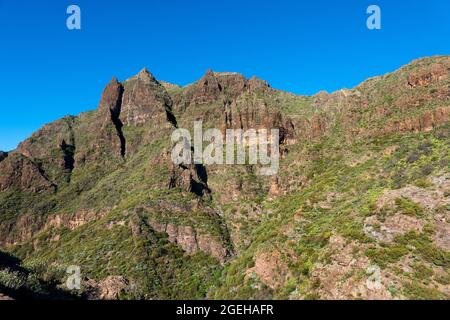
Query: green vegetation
(325, 216)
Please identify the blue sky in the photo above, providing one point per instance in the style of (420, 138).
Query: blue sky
(47, 71)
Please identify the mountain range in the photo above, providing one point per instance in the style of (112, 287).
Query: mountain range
(359, 209)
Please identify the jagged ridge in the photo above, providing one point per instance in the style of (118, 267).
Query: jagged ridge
(333, 147)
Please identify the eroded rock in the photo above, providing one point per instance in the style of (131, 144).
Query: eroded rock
(191, 241)
(427, 75)
(339, 279)
(391, 227)
(17, 171)
(427, 121)
(145, 100)
(109, 288)
(427, 198)
(270, 268)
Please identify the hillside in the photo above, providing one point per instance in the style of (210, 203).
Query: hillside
(359, 209)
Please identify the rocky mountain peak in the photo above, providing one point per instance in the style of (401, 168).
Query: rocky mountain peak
(209, 73)
(257, 84)
(114, 80)
(144, 98)
(207, 89)
(112, 98)
(145, 75)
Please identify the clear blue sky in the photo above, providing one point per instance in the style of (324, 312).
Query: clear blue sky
(47, 71)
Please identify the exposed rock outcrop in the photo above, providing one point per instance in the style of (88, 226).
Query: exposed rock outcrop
(110, 108)
(191, 178)
(255, 84)
(53, 148)
(232, 84)
(144, 100)
(17, 171)
(282, 224)
(430, 74)
(216, 87)
(207, 89)
(427, 121)
(442, 235)
(271, 269)
(44, 141)
(346, 276)
(188, 177)
(254, 114)
(192, 241)
(391, 227)
(109, 288)
(28, 225)
(111, 100)
(75, 220)
(427, 198)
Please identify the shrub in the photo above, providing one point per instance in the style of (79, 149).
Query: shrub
(409, 207)
(12, 279)
(384, 256)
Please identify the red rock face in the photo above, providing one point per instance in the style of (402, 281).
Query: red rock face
(229, 85)
(110, 106)
(191, 241)
(111, 101)
(214, 88)
(144, 100)
(242, 114)
(246, 115)
(49, 137)
(433, 73)
(442, 115)
(139, 101)
(257, 85)
(19, 172)
(46, 146)
(270, 268)
(191, 178)
(207, 89)
(232, 84)
(427, 121)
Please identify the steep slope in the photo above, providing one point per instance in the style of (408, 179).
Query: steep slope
(358, 209)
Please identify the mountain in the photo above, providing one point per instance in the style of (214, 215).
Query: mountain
(359, 208)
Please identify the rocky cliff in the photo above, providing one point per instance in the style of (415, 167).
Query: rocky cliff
(362, 184)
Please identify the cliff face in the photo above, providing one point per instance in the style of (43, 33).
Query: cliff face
(19, 172)
(145, 100)
(362, 181)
